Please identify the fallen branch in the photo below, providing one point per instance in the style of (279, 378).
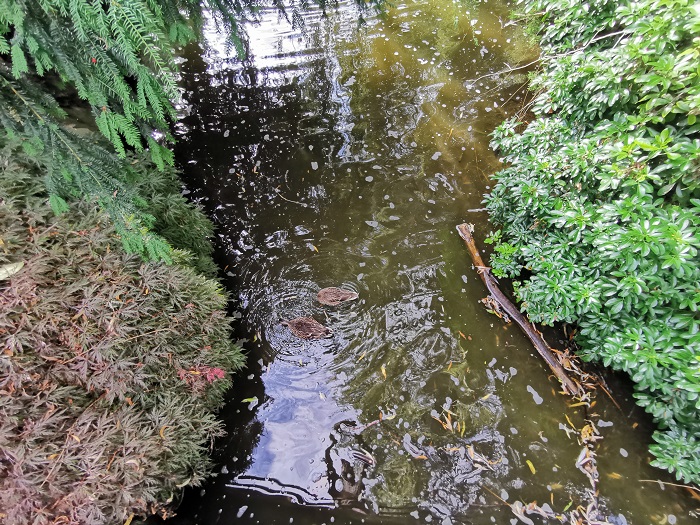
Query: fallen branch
(465, 231)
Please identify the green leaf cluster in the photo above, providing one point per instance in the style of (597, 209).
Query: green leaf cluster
(599, 201)
(111, 368)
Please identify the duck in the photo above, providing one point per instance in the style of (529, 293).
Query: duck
(334, 296)
(307, 328)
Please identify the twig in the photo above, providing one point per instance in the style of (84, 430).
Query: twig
(465, 231)
(689, 487)
(290, 200)
(559, 55)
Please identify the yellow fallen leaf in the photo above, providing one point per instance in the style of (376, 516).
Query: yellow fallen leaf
(75, 437)
(532, 467)
(614, 475)
(570, 423)
(362, 356)
(384, 371)
(162, 431)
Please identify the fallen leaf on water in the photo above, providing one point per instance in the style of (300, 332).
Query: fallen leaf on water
(519, 510)
(614, 475)
(314, 248)
(449, 366)
(570, 423)
(532, 467)
(253, 399)
(384, 371)
(486, 397)
(462, 335)
(362, 356)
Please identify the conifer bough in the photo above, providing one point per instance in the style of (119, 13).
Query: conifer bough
(118, 57)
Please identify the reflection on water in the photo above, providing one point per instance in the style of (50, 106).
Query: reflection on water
(345, 158)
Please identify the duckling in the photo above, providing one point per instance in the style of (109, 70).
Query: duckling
(307, 328)
(334, 296)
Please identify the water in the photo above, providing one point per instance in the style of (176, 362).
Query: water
(345, 156)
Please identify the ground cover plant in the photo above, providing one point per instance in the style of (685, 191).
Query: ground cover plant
(599, 201)
(111, 369)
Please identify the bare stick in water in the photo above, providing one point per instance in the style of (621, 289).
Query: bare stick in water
(465, 232)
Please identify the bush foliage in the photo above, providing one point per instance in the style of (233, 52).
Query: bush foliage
(110, 370)
(599, 202)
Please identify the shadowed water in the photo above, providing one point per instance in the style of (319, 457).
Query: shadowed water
(345, 155)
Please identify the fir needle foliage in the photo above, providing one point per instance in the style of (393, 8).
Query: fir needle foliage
(111, 368)
(118, 56)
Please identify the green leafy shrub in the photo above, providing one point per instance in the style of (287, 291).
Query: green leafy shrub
(110, 369)
(599, 201)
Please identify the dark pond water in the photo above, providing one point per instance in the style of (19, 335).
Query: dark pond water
(345, 155)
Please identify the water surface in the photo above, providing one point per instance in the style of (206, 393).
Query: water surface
(345, 155)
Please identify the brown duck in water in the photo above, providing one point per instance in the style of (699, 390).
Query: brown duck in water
(335, 296)
(307, 328)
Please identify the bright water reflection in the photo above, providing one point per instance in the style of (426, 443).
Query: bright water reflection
(345, 157)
